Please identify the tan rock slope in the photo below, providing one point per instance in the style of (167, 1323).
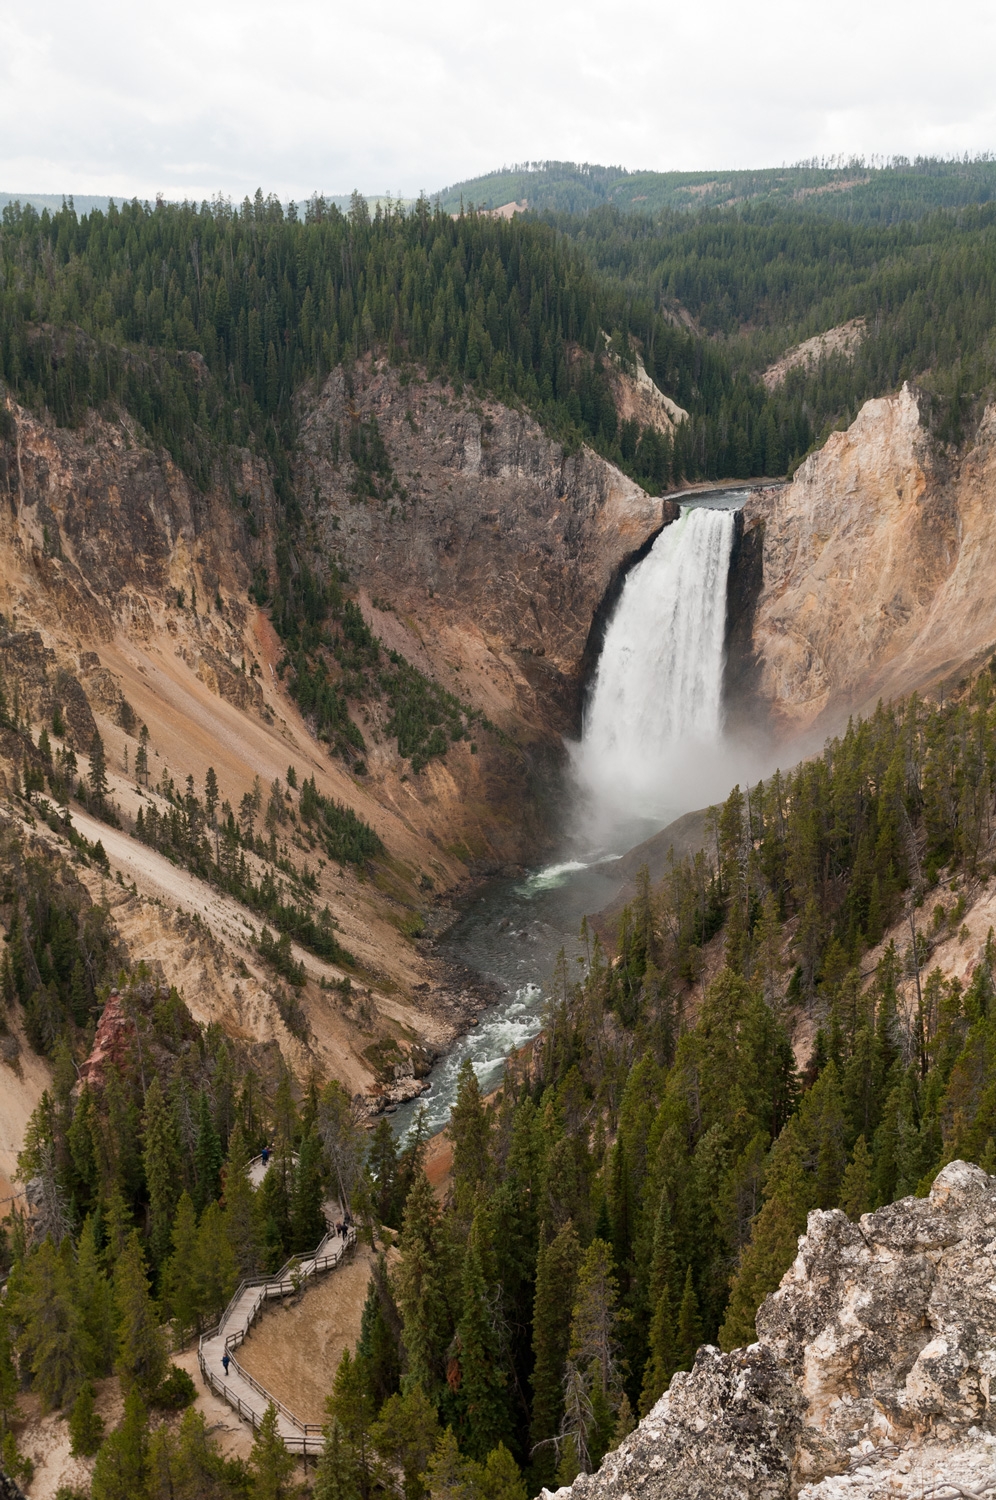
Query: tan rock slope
(877, 563)
(871, 1374)
(844, 339)
(124, 600)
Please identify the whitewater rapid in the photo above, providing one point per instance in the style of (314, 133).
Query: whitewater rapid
(653, 723)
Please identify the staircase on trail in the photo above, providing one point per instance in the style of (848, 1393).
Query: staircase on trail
(244, 1394)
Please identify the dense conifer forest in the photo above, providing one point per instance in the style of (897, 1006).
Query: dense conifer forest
(837, 188)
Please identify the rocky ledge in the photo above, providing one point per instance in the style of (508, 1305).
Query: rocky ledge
(871, 1374)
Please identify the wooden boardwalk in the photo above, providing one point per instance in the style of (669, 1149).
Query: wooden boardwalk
(242, 1392)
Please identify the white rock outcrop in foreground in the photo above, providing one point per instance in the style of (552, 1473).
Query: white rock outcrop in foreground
(871, 1374)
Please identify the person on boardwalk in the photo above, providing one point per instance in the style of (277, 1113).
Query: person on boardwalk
(265, 1153)
(225, 1362)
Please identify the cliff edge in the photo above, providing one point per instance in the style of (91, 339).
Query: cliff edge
(871, 1374)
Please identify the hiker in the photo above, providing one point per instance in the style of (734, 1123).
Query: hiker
(225, 1362)
(266, 1155)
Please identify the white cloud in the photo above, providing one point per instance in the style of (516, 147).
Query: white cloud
(207, 95)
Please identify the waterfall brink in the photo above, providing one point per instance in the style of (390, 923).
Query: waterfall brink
(654, 721)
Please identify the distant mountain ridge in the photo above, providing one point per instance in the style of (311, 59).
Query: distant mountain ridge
(899, 189)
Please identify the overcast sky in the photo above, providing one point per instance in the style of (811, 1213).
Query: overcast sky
(195, 97)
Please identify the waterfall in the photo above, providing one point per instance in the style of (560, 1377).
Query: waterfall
(654, 720)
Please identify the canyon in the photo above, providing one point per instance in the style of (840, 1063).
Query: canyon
(492, 562)
(124, 599)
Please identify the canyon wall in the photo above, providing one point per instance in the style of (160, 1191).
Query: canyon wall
(877, 563)
(124, 601)
(494, 546)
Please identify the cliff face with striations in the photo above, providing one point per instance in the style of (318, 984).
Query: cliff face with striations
(876, 568)
(494, 546)
(872, 1373)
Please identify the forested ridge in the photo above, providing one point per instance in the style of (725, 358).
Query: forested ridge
(635, 1187)
(206, 322)
(838, 188)
(761, 279)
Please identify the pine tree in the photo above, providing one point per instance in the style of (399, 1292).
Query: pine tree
(501, 1478)
(9, 1383)
(856, 1190)
(773, 1243)
(273, 1209)
(181, 1289)
(449, 1475)
(307, 1214)
(593, 1383)
(86, 1427)
(336, 1477)
(689, 1334)
(163, 1168)
(469, 1130)
(425, 1288)
(382, 1167)
(351, 1405)
(97, 777)
(662, 1350)
(594, 1320)
(405, 1435)
(270, 1464)
(51, 1343)
(380, 1328)
(94, 1297)
(120, 1470)
(481, 1394)
(142, 1359)
(241, 1214)
(207, 1157)
(215, 1273)
(556, 1281)
(662, 1358)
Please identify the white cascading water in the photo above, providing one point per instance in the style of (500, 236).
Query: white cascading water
(654, 720)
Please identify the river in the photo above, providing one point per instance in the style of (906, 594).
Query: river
(633, 771)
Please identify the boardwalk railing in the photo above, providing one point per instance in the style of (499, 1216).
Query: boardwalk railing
(306, 1437)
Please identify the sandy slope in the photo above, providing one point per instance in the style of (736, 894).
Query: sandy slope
(295, 1348)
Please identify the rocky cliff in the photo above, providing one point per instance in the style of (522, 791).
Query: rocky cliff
(493, 546)
(871, 1375)
(876, 568)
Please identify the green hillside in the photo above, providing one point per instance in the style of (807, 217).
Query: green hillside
(852, 190)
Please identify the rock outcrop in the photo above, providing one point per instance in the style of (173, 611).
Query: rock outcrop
(872, 1372)
(876, 569)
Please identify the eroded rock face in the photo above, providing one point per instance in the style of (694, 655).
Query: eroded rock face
(491, 536)
(96, 526)
(876, 568)
(874, 1363)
